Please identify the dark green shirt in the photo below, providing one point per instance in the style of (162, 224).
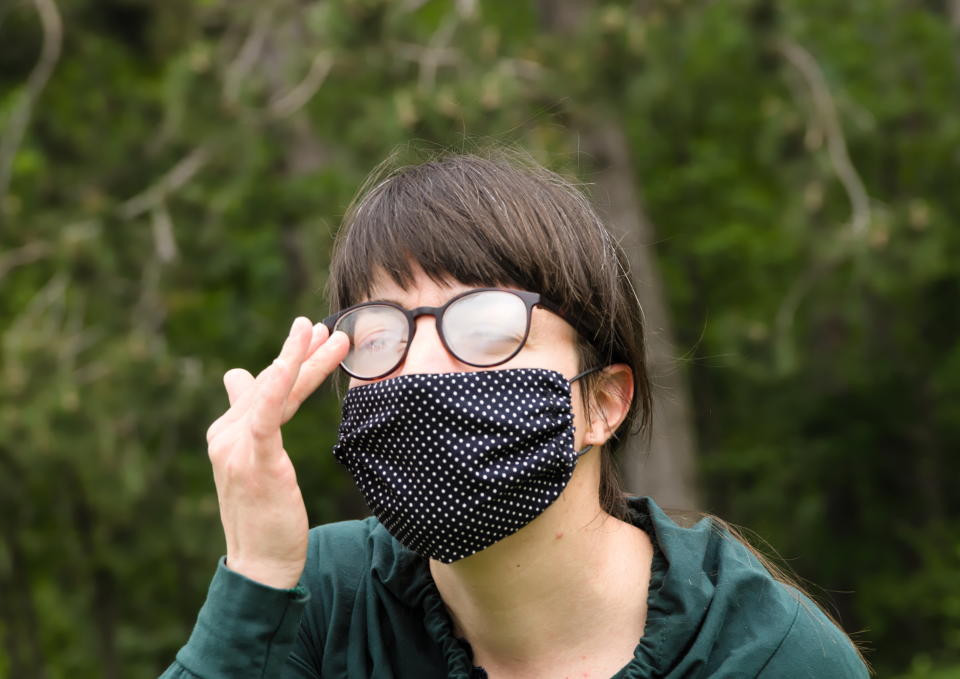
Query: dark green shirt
(368, 607)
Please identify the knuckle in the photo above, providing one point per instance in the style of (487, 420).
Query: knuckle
(269, 400)
(212, 432)
(234, 470)
(279, 368)
(218, 425)
(216, 451)
(293, 401)
(260, 431)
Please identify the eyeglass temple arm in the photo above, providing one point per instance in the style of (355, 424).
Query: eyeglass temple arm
(331, 321)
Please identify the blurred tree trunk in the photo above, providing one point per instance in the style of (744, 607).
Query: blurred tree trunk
(667, 470)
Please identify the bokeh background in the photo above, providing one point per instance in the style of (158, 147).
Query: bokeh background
(785, 176)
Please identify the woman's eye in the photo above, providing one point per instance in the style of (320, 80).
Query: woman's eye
(372, 343)
(492, 337)
(495, 332)
(376, 342)
(497, 337)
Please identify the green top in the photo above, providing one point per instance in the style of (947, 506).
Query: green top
(368, 607)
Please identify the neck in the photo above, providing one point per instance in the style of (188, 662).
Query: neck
(566, 584)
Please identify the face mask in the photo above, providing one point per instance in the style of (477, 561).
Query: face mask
(451, 463)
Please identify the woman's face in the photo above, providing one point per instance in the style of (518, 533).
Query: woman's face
(551, 343)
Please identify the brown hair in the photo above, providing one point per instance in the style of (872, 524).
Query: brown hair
(500, 219)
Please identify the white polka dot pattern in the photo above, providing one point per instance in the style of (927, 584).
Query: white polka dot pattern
(453, 462)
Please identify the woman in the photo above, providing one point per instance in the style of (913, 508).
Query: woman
(495, 353)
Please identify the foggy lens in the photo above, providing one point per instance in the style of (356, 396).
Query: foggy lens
(378, 337)
(485, 328)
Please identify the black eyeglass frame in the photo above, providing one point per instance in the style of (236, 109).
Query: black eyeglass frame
(530, 300)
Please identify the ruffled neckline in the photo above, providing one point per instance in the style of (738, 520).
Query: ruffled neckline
(670, 596)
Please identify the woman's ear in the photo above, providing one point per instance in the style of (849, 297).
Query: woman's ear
(610, 403)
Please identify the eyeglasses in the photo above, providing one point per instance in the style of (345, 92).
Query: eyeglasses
(483, 327)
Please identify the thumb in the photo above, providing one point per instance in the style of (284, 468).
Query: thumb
(236, 382)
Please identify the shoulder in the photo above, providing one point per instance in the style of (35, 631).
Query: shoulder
(346, 554)
(353, 536)
(340, 551)
(814, 647)
(716, 607)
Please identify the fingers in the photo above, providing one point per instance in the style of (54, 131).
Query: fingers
(299, 352)
(294, 349)
(238, 408)
(266, 411)
(320, 333)
(315, 370)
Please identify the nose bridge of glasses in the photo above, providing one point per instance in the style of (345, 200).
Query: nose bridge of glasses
(416, 313)
(427, 351)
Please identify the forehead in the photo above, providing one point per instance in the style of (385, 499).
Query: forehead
(422, 290)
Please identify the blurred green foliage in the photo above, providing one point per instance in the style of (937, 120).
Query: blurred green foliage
(171, 208)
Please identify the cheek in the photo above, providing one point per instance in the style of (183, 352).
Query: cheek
(580, 421)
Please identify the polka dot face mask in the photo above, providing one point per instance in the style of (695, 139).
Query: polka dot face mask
(451, 463)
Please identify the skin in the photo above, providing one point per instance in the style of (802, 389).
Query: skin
(261, 507)
(567, 591)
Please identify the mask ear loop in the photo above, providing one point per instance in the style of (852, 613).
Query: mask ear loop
(586, 372)
(583, 451)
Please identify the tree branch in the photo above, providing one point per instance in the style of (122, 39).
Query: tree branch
(164, 241)
(23, 255)
(290, 102)
(240, 67)
(826, 112)
(787, 311)
(435, 52)
(174, 179)
(20, 116)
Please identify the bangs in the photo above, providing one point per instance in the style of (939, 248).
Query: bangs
(476, 221)
(393, 234)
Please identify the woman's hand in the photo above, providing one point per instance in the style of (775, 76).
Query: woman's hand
(264, 518)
